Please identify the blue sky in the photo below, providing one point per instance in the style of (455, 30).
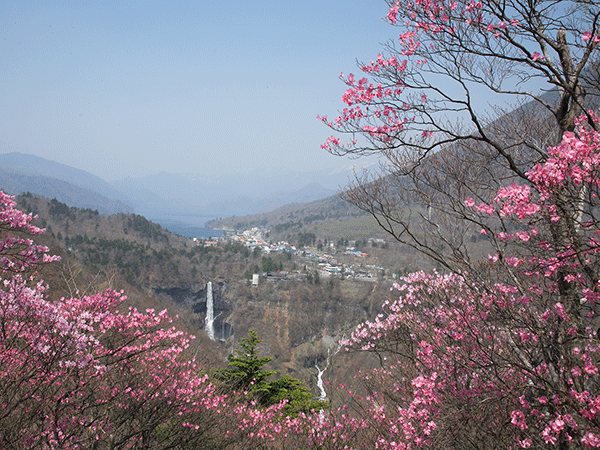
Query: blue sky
(131, 88)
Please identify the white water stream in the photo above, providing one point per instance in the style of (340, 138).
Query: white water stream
(323, 393)
(210, 312)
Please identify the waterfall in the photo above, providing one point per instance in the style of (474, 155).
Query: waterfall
(323, 393)
(210, 313)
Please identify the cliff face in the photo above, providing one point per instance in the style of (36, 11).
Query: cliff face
(194, 299)
(299, 323)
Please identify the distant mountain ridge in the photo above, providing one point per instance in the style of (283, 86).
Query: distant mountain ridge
(17, 183)
(182, 199)
(20, 173)
(228, 195)
(35, 165)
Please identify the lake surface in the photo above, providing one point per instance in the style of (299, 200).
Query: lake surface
(186, 224)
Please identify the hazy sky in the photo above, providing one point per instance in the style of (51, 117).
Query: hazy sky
(130, 88)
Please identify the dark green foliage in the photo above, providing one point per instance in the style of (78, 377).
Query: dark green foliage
(268, 265)
(313, 218)
(245, 373)
(306, 239)
(342, 242)
(240, 226)
(245, 368)
(132, 259)
(236, 247)
(59, 209)
(252, 270)
(286, 226)
(145, 228)
(316, 278)
(299, 398)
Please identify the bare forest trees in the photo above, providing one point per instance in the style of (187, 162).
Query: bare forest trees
(502, 350)
(433, 106)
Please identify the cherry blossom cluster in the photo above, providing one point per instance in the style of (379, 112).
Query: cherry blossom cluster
(17, 250)
(87, 372)
(384, 107)
(524, 348)
(575, 161)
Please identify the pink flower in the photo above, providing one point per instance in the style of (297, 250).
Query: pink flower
(548, 438)
(589, 368)
(523, 235)
(525, 443)
(518, 419)
(557, 425)
(591, 440)
(392, 14)
(560, 311)
(485, 208)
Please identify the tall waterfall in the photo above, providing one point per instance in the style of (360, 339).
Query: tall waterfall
(210, 313)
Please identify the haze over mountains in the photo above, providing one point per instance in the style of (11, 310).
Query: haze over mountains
(27, 173)
(176, 201)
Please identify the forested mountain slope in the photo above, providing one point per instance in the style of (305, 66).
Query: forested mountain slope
(298, 320)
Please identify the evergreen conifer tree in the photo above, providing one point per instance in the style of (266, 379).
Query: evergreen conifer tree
(245, 372)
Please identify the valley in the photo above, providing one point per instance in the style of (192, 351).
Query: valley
(302, 275)
(308, 294)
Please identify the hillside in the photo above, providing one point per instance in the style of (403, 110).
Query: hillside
(27, 173)
(330, 218)
(298, 318)
(17, 183)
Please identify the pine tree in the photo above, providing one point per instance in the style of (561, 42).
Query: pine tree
(245, 372)
(245, 368)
